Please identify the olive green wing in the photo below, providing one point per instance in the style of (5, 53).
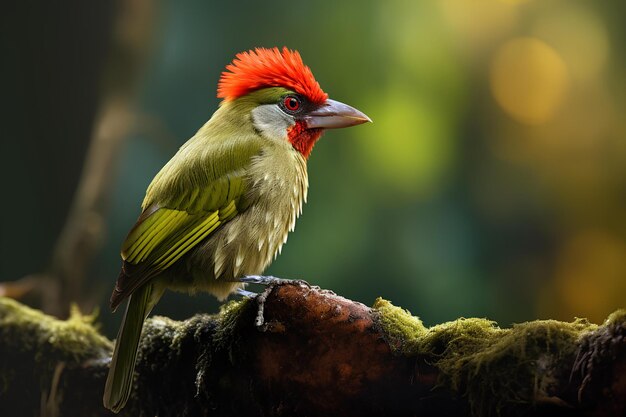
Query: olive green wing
(182, 212)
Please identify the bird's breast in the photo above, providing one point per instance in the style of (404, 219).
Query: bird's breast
(246, 245)
(280, 184)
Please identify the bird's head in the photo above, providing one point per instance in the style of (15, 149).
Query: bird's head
(282, 98)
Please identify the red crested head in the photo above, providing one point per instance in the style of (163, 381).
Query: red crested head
(262, 67)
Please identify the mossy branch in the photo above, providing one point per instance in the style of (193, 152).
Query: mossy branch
(303, 351)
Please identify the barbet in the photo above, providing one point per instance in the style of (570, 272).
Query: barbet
(222, 207)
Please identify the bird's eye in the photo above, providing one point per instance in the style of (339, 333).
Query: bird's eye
(292, 103)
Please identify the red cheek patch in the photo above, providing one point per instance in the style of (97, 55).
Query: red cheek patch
(303, 139)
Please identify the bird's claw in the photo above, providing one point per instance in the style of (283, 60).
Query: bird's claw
(246, 294)
(270, 280)
(260, 299)
(259, 279)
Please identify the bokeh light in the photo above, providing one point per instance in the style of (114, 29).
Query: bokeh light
(413, 159)
(529, 80)
(491, 183)
(589, 276)
(580, 37)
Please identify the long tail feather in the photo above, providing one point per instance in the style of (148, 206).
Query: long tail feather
(120, 379)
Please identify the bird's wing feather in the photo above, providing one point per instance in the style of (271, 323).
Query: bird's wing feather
(183, 209)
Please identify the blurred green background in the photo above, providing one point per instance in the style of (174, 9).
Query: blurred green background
(491, 183)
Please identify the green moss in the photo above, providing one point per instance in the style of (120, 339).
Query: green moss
(618, 317)
(493, 367)
(157, 330)
(26, 329)
(232, 316)
(402, 330)
(36, 343)
(170, 343)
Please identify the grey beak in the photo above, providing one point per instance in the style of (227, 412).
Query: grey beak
(333, 115)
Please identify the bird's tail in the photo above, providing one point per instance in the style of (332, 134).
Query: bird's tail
(120, 379)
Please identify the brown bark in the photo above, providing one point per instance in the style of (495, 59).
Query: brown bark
(298, 350)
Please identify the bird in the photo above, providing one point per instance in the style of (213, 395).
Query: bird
(222, 207)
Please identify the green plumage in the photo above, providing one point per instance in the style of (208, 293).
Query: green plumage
(119, 383)
(219, 209)
(223, 206)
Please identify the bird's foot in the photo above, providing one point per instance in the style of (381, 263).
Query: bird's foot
(270, 280)
(266, 280)
(260, 279)
(260, 299)
(245, 293)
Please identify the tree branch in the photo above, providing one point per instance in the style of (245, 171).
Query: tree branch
(297, 350)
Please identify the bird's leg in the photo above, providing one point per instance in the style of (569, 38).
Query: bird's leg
(245, 293)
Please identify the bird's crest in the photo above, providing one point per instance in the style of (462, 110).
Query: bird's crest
(264, 67)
